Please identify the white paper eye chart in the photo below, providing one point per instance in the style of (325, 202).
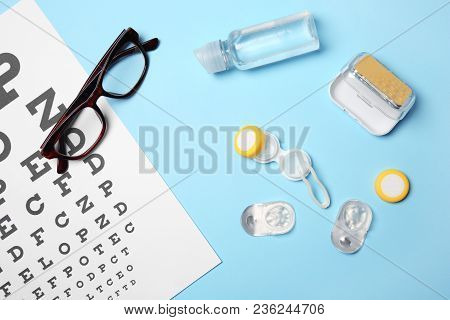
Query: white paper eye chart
(99, 231)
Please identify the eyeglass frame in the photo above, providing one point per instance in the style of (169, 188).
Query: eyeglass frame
(89, 94)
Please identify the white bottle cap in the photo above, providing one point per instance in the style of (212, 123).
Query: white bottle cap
(211, 57)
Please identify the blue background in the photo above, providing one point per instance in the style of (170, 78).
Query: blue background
(409, 255)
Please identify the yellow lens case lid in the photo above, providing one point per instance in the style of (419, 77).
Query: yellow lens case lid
(249, 141)
(392, 185)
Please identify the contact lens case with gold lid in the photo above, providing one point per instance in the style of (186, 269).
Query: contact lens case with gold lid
(371, 94)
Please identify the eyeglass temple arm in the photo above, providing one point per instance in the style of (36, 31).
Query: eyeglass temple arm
(149, 45)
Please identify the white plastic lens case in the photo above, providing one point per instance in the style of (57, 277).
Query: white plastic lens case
(364, 103)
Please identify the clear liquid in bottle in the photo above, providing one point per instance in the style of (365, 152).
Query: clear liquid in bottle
(261, 44)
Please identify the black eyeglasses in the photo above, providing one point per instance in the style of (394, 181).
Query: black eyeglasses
(118, 75)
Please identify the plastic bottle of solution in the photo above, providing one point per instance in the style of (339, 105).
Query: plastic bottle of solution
(261, 44)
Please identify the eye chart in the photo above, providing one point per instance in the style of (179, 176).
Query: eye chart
(99, 231)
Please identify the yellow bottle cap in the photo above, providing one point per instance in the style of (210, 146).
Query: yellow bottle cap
(392, 185)
(249, 141)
